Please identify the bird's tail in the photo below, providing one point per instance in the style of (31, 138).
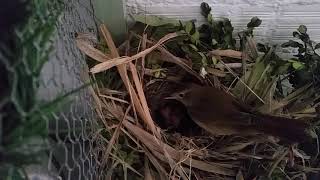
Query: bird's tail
(286, 128)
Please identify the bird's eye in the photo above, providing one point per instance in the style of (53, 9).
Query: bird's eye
(181, 95)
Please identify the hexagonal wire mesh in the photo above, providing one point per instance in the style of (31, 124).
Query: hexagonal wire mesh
(74, 146)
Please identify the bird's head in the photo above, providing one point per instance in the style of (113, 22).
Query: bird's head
(182, 96)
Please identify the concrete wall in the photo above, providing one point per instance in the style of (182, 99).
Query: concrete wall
(111, 13)
(280, 17)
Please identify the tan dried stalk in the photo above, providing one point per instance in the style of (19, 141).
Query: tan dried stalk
(119, 61)
(145, 115)
(226, 53)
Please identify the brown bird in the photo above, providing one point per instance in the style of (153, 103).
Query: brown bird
(221, 114)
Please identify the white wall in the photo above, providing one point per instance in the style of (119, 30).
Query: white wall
(280, 17)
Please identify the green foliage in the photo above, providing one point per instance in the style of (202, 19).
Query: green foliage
(24, 117)
(205, 9)
(264, 78)
(255, 22)
(306, 66)
(9, 172)
(260, 79)
(216, 33)
(193, 33)
(155, 20)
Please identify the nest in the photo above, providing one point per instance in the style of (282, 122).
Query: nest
(142, 145)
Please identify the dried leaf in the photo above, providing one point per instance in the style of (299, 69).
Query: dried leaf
(90, 51)
(124, 76)
(119, 61)
(142, 97)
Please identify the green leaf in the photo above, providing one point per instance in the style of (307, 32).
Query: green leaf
(210, 18)
(157, 74)
(302, 29)
(304, 37)
(205, 9)
(296, 34)
(185, 49)
(255, 22)
(12, 172)
(229, 41)
(204, 60)
(214, 60)
(195, 38)
(155, 20)
(313, 134)
(214, 42)
(317, 46)
(256, 79)
(193, 47)
(227, 25)
(161, 31)
(162, 74)
(282, 69)
(189, 27)
(301, 50)
(292, 43)
(297, 64)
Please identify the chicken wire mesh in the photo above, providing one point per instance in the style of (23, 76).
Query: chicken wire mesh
(74, 143)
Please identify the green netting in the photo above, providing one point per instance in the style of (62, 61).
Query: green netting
(48, 123)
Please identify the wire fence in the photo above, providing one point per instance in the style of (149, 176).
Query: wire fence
(74, 141)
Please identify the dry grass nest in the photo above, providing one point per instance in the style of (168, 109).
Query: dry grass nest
(136, 145)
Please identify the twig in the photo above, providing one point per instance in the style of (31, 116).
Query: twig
(126, 164)
(115, 136)
(226, 53)
(215, 72)
(229, 88)
(143, 58)
(114, 98)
